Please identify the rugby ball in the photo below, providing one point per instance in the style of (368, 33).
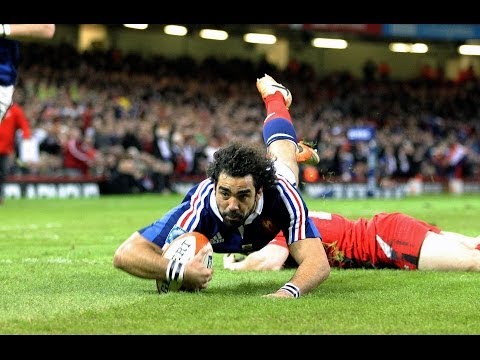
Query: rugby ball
(183, 249)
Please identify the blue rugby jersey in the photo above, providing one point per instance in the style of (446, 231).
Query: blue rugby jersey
(280, 208)
(9, 61)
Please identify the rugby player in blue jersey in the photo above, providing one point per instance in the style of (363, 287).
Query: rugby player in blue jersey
(249, 196)
(10, 56)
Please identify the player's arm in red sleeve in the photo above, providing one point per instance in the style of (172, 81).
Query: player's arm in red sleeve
(271, 257)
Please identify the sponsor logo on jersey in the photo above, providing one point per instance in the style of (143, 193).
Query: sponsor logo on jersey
(218, 238)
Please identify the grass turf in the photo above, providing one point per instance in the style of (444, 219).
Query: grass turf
(57, 278)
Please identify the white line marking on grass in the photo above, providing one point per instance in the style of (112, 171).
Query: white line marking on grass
(30, 226)
(57, 260)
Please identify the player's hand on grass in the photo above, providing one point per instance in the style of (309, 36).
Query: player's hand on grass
(280, 294)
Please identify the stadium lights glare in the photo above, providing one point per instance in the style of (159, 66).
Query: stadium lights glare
(136, 26)
(469, 50)
(256, 38)
(399, 47)
(329, 43)
(175, 30)
(211, 34)
(417, 48)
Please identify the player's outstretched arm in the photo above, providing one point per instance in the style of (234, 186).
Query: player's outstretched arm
(313, 268)
(142, 258)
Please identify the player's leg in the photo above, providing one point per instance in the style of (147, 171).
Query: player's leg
(468, 241)
(445, 251)
(278, 130)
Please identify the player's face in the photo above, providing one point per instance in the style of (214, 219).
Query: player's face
(236, 198)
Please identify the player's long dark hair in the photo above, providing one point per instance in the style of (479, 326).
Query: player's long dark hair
(240, 160)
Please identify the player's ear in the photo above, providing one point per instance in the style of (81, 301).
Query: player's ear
(259, 193)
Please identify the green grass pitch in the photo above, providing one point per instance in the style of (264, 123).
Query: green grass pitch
(57, 278)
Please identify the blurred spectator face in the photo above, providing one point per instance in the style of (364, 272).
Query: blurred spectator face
(162, 132)
(133, 152)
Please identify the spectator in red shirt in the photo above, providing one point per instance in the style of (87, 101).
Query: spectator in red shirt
(384, 71)
(78, 154)
(14, 120)
(465, 75)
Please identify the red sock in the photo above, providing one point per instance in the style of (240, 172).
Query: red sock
(275, 103)
(278, 123)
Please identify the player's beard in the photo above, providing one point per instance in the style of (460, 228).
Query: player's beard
(234, 218)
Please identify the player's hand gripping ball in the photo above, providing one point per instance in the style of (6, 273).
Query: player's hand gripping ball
(181, 250)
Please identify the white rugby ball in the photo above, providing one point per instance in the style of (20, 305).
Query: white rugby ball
(183, 249)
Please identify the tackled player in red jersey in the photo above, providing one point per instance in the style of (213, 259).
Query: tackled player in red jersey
(387, 240)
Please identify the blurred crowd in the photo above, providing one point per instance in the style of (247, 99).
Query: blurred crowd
(140, 124)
